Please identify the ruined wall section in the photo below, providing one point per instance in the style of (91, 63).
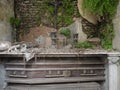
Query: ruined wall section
(41, 12)
(34, 13)
(26, 11)
(6, 12)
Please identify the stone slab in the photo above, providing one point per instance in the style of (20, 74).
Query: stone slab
(76, 86)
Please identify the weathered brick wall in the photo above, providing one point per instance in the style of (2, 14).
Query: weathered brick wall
(34, 13)
(26, 11)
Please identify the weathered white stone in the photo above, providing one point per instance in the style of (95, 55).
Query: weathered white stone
(113, 63)
(116, 23)
(4, 45)
(76, 28)
(87, 14)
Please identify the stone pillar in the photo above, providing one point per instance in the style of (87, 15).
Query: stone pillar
(113, 76)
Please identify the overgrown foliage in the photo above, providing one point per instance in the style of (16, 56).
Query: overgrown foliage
(83, 45)
(101, 7)
(106, 10)
(66, 32)
(59, 13)
(107, 34)
(15, 22)
(67, 11)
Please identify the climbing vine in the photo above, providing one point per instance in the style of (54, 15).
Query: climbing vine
(106, 10)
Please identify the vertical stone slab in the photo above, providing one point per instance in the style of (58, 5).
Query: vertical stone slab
(76, 28)
(6, 12)
(113, 61)
(116, 24)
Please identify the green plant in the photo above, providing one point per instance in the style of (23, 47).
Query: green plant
(106, 10)
(66, 32)
(68, 11)
(69, 6)
(57, 13)
(101, 7)
(107, 35)
(83, 45)
(15, 22)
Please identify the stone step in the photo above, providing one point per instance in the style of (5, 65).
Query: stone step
(69, 86)
(54, 80)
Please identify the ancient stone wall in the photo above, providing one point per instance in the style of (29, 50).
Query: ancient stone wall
(26, 11)
(42, 12)
(34, 13)
(6, 12)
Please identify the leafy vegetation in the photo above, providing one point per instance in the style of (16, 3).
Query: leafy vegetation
(58, 16)
(101, 7)
(107, 34)
(83, 45)
(68, 10)
(66, 32)
(15, 22)
(106, 10)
